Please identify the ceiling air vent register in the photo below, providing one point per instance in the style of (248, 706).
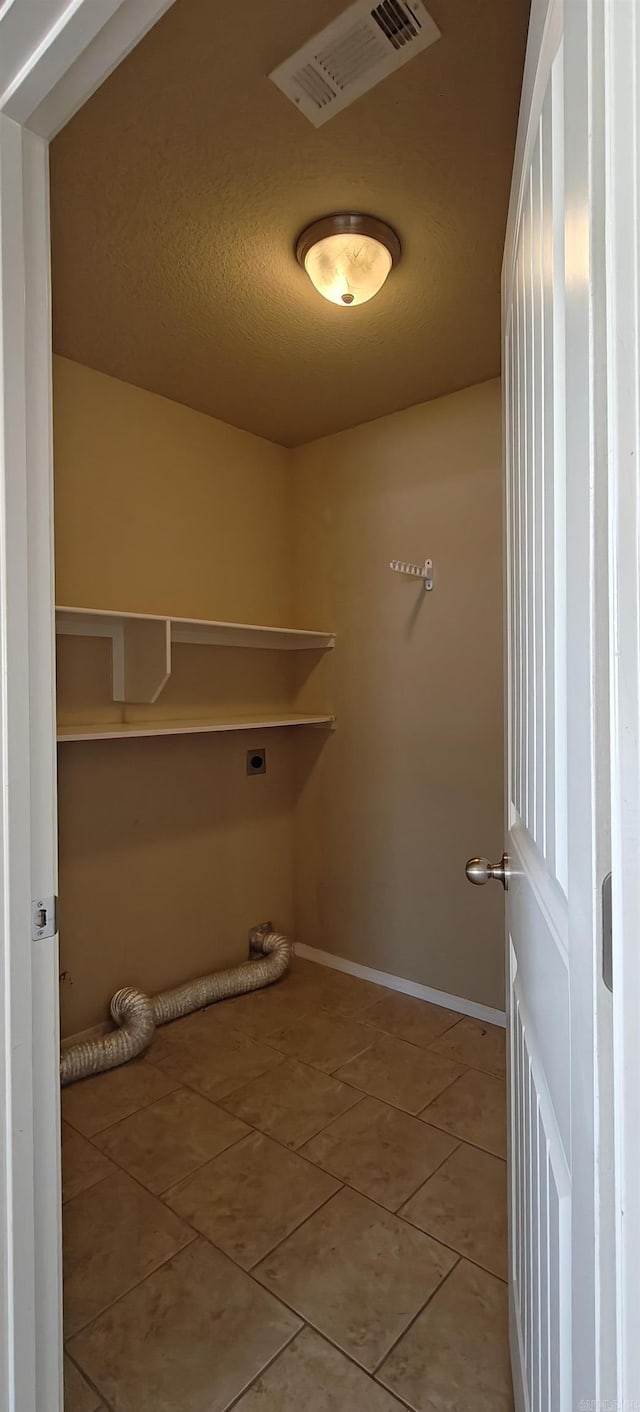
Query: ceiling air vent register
(352, 55)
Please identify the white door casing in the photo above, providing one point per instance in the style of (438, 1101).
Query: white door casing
(52, 57)
(30, 1175)
(622, 159)
(559, 1013)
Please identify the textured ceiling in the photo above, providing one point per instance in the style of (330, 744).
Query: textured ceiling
(178, 191)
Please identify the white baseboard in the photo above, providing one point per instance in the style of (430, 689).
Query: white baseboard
(366, 973)
(422, 992)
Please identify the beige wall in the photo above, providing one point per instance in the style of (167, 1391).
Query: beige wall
(168, 851)
(160, 509)
(410, 784)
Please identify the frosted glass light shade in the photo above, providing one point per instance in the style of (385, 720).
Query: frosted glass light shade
(348, 258)
(348, 269)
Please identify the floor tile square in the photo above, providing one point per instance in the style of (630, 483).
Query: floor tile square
(292, 1103)
(322, 1041)
(382, 1152)
(455, 1358)
(399, 1073)
(178, 1034)
(82, 1164)
(190, 1338)
(464, 1204)
(165, 1142)
(405, 1017)
(311, 1376)
(473, 1108)
(95, 1103)
(475, 1043)
(212, 1057)
(345, 996)
(78, 1396)
(273, 1008)
(113, 1235)
(251, 1197)
(357, 1273)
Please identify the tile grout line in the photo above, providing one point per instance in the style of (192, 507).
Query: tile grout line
(409, 1111)
(269, 1364)
(431, 1124)
(196, 1235)
(464, 1063)
(351, 1109)
(462, 1256)
(140, 1109)
(412, 1321)
(488, 1151)
(308, 1323)
(160, 1195)
(193, 1236)
(199, 1235)
(218, 1103)
(405, 1199)
(274, 1248)
(93, 1386)
(255, 1132)
(344, 1186)
(298, 1150)
(460, 1142)
(242, 1084)
(324, 1338)
(137, 1283)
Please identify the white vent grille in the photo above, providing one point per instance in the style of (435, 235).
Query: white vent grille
(353, 54)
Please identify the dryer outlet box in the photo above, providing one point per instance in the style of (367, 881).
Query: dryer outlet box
(256, 762)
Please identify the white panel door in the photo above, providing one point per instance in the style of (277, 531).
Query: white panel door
(538, 966)
(557, 829)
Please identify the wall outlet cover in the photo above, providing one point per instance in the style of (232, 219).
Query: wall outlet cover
(256, 762)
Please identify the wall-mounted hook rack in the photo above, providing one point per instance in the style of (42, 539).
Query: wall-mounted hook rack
(416, 571)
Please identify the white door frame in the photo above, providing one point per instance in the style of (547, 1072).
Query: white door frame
(622, 136)
(54, 55)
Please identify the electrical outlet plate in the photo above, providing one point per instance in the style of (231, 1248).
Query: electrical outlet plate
(257, 761)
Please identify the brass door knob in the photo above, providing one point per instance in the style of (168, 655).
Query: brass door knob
(480, 871)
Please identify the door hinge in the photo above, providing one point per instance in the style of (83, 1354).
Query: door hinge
(607, 933)
(44, 918)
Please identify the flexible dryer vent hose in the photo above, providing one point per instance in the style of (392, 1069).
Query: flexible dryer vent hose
(137, 1015)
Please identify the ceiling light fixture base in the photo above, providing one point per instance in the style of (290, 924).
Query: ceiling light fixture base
(348, 223)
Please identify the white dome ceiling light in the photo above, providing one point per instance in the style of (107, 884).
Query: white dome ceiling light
(348, 257)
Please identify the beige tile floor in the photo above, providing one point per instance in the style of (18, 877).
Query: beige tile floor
(295, 1203)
